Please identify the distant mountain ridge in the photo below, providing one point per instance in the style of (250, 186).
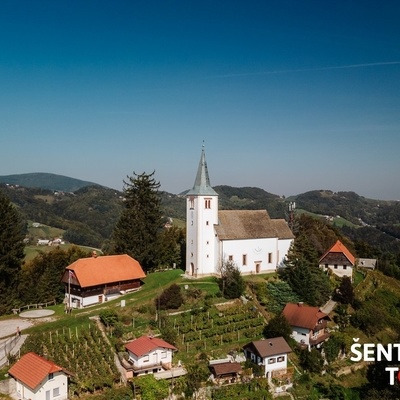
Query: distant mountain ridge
(46, 181)
(88, 214)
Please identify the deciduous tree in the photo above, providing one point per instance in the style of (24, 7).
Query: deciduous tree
(231, 282)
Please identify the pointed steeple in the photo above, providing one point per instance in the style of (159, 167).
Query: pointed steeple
(202, 185)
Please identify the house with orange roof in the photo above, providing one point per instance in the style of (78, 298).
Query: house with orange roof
(148, 354)
(39, 379)
(93, 280)
(339, 260)
(308, 324)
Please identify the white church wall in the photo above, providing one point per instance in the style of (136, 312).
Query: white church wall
(283, 249)
(252, 255)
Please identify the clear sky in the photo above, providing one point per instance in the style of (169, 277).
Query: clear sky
(289, 96)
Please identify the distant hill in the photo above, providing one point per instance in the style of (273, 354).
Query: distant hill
(47, 181)
(88, 214)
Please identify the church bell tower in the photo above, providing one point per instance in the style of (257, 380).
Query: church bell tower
(201, 216)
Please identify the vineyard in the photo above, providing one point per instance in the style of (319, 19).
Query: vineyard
(230, 324)
(82, 351)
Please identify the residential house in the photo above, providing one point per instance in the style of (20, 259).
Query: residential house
(249, 238)
(95, 279)
(148, 354)
(272, 354)
(39, 379)
(308, 324)
(339, 260)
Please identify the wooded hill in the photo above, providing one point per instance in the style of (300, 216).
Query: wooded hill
(88, 215)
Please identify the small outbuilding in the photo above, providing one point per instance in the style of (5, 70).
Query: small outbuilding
(226, 371)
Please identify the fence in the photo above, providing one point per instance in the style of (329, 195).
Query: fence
(7, 346)
(37, 305)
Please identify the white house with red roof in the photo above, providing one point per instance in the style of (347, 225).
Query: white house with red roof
(39, 379)
(339, 260)
(308, 324)
(149, 354)
(93, 280)
(251, 239)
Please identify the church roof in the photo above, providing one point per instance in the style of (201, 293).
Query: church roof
(250, 224)
(202, 185)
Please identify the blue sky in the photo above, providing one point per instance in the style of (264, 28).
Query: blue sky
(288, 96)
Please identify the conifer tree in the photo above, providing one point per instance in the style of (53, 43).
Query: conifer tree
(137, 231)
(12, 233)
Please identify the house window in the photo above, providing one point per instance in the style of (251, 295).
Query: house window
(344, 266)
(56, 392)
(207, 203)
(272, 360)
(335, 266)
(51, 376)
(269, 258)
(163, 354)
(230, 258)
(244, 259)
(145, 358)
(280, 359)
(191, 201)
(207, 223)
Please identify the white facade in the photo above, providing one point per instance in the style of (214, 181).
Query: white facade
(201, 216)
(339, 270)
(151, 361)
(54, 388)
(207, 248)
(301, 335)
(252, 256)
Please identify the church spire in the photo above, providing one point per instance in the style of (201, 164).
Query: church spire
(202, 183)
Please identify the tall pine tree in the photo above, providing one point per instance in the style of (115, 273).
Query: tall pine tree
(12, 233)
(137, 231)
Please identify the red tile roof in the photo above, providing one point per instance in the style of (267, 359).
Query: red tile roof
(31, 369)
(339, 247)
(93, 271)
(145, 344)
(303, 316)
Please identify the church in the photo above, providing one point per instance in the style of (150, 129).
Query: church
(250, 239)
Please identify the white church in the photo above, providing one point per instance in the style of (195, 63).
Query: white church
(249, 238)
